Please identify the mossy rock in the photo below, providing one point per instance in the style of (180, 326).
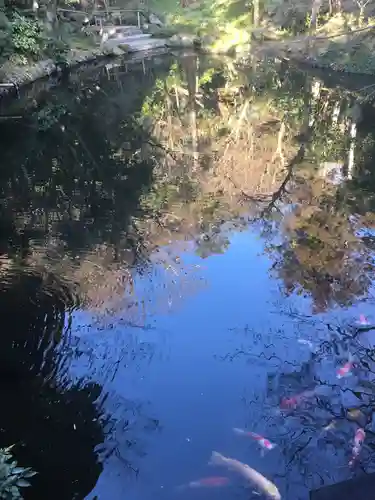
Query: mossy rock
(184, 41)
(162, 31)
(124, 47)
(114, 50)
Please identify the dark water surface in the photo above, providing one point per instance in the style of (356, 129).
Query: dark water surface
(173, 232)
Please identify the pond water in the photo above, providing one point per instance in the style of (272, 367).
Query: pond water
(187, 248)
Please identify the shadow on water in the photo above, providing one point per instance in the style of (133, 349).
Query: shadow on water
(70, 179)
(122, 196)
(42, 413)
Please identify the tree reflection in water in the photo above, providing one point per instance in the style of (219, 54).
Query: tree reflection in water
(55, 425)
(116, 179)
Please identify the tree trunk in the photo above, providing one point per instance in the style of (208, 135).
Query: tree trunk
(337, 7)
(255, 13)
(51, 16)
(315, 93)
(190, 64)
(314, 14)
(351, 163)
(35, 7)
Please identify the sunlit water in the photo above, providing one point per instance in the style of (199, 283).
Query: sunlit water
(172, 231)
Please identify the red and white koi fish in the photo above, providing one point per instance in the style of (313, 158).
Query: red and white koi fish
(263, 442)
(262, 484)
(346, 369)
(359, 438)
(207, 482)
(363, 320)
(292, 402)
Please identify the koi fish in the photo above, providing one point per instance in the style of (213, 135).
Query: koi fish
(292, 402)
(354, 414)
(363, 320)
(209, 482)
(359, 438)
(306, 342)
(345, 370)
(263, 442)
(330, 426)
(263, 484)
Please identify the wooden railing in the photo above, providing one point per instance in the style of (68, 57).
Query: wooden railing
(110, 12)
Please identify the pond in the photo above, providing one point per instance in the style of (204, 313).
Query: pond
(187, 258)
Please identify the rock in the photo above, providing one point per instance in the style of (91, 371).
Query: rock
(183, 41)
(264, 34)
(208, 40)
(114, 50)
(124, 47)
(117, 50)
(161, 31)
(153, 19)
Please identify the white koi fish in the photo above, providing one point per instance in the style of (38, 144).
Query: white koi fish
(263, 484)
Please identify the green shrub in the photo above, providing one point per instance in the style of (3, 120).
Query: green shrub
(12, 477)
(5, 36)
(56, 49)
(28, 38)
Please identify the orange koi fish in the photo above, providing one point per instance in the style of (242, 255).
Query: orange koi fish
(292, 402)
(209, 482)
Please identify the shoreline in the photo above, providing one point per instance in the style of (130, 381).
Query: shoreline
(21, 76)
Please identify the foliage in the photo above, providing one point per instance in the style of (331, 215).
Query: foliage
(356, 57)
(24, 39)
(12, 477)
(28, 39)
(49, 116)
(222, 25)
(5, 35)
(56, 49)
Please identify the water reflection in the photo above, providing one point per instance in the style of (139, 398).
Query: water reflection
(42, 410)
(170, 232)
